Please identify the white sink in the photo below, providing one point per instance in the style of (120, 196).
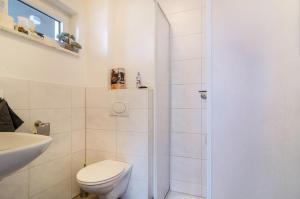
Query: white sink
(19, 149)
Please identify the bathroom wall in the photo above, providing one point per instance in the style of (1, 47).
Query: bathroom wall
(24, 70)
(52, 175)
(122, 35)
(127, 139)
(188, 139)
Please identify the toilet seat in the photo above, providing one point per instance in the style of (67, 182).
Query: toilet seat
(101, 172)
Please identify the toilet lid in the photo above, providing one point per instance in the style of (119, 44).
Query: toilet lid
(101, 171)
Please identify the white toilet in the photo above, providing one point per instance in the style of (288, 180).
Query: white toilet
(107, 179)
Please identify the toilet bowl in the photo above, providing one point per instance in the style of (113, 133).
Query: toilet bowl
(107, 179)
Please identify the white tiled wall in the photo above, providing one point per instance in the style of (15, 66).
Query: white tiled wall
(52, 175)
(188, 139)
(120, 138)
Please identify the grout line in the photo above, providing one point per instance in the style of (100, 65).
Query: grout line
(108, 108)
(187, 107)
(192, 59)
(187, 84)
(85, 128)
(48, 188)
(169, 14)
(187, 182)
(188, 35)
(186, 157)
(49, 108)
(29, 180)
(178, 132)
(29, 84)
(175, 36)
(108, 131)
(178, 108)
(184, 195)
(49, 161)
(185, 59)
(71, 134)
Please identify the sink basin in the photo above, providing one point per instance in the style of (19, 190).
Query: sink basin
(19, 149)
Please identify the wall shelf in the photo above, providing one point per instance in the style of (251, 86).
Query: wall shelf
(53, 45)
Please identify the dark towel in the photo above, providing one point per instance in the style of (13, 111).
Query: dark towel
(9, 121)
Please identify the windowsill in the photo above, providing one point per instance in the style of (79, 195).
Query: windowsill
(53, 44)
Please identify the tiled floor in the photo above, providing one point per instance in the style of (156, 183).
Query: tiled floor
(175, 195)
(89, 197)
(171, 195)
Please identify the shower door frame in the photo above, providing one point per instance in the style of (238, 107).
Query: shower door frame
(161, 191)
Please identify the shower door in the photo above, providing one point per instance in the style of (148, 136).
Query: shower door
(162, 107)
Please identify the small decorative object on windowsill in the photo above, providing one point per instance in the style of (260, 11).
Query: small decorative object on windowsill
(31, 33)
(27, 26)
(67, 41)
(118, 78)
(24, 25)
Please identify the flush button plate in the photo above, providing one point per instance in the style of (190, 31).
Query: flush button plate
(119, 109)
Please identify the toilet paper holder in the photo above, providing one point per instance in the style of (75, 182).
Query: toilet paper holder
(42, 128)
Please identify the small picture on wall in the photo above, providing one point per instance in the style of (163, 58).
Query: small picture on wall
(118, 78)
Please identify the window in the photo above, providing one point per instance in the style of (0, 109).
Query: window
(45, 23)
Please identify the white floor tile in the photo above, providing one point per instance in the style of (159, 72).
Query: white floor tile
(89, 197)
(176, 195)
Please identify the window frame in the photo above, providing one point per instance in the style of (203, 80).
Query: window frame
(36, 8)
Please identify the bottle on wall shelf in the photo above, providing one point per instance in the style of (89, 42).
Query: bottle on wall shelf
(138, 80)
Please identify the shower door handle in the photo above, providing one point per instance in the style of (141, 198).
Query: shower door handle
(203, 94)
